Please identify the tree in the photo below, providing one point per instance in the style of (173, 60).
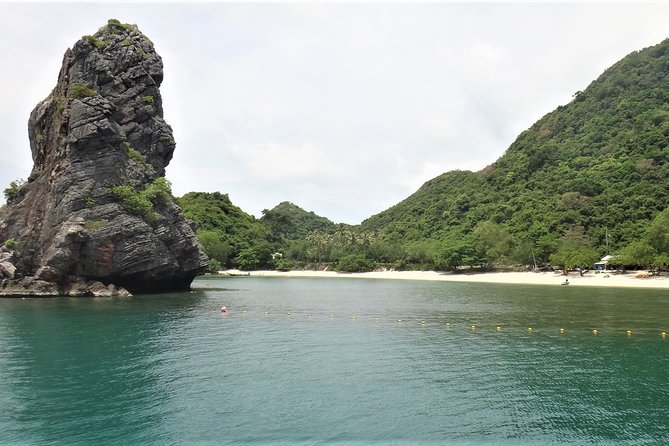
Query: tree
(214, 246)
(638, 253)
(492, 242)
(283, 265)
(662, 261)
(574, 251)
(658, 232)
(452, 254)
(247, 260)
(422, 253)
(341, 233)
(214, 266)
(354, 263)
(319, 240)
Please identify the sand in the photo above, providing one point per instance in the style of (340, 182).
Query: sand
(591, 279)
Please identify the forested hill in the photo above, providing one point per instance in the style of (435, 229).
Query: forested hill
(228, 234)
(598, 164)
(234, 239)
(287, 221)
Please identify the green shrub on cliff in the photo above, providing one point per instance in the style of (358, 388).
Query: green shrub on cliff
(93, 225)
(159, 191)
(80, 91)
(142, 202)
(13, 190)
(96, 42)
(114, 26)
(135, 155)
(133, 201)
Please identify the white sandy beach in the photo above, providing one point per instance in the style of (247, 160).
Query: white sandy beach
(610, 279)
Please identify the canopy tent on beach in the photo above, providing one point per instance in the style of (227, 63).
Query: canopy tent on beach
(603, 263)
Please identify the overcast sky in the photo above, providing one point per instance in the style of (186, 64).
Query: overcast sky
(343, 109)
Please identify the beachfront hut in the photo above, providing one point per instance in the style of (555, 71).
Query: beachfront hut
(603, 264)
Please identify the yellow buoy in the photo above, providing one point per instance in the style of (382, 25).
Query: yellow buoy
(448, 324)
(423, 322)
(266, 312)
(309, 315)
(562, 330)
(629, 332)
(288, 313)
(595, 331)
(663, 334)
(529, 329)
(498, 328)
(473, 327)
(399, 320)
(354, 317)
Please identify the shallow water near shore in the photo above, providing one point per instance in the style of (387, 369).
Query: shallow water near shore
(338, 361)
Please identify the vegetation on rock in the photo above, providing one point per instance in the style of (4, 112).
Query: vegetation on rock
(93, 225)
(13, 191)
(142, 202)
(80, 91)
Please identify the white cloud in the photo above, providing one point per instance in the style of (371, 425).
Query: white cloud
(344, 109)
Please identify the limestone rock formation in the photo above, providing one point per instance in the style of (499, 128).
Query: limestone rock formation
(96, 207)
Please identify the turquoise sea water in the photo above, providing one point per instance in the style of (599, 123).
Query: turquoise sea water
(327, 361)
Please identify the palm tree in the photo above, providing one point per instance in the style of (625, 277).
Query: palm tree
(341, 233)
(367, 238)
(320, 241)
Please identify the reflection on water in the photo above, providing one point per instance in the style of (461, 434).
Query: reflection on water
(343, 361)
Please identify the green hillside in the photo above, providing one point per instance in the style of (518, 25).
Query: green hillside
(596, 166)
(287, 221)
(230, 237)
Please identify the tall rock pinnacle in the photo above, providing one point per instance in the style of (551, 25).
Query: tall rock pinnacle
(96, 206)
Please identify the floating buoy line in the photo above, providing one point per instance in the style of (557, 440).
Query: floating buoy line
(471, 327)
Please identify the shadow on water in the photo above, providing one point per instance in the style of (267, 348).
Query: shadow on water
(75, 369)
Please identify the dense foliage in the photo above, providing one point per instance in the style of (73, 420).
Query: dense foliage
(287, 221)
(230, 237)
(142, 202)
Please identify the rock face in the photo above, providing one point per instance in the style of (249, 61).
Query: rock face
(96, 207)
